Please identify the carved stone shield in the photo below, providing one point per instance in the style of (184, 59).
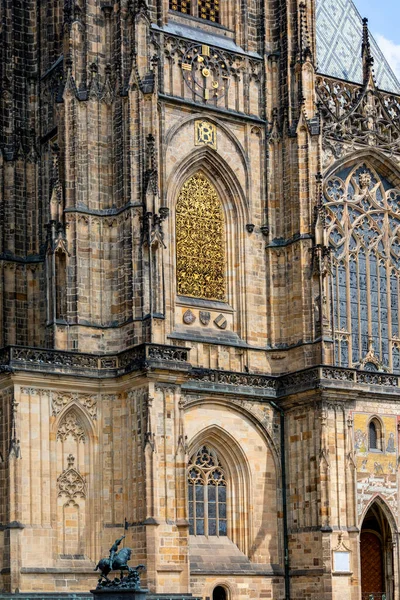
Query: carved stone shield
(221, 322)
(204, 317)
(188, 317)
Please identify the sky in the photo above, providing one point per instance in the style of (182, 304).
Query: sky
(384, 24)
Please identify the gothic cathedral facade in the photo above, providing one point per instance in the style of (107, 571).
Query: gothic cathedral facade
(199, 293)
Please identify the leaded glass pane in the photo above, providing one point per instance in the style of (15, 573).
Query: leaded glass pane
(199, 527)
(199, 510)
(191, 526)
(222, 527)
(394, 304)
(222, 494)
(212, 526)
(199, 493)
(396, 359)
(212, 510)
(344, 353)
(354, 311)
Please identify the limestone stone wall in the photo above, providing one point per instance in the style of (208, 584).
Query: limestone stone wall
(86, 462)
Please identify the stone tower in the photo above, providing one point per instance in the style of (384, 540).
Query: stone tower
(200, 264)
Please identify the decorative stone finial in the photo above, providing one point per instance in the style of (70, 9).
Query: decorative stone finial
(367, 58)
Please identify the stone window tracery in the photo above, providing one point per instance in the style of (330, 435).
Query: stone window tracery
(200, 240)
(207, 488)
(70, 426)
(363, 221)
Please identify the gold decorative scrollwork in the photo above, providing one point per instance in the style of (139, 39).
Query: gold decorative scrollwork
(200, 240)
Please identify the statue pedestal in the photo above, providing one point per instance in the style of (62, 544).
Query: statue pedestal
(116, 594)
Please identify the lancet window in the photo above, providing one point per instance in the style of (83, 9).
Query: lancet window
(207, 488)
(200, 240)
(363, 219)
(373, 442)
(374, 435)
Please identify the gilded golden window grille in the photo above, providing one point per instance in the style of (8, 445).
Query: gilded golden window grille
(200, 241)
(182, 6)
(208, 10)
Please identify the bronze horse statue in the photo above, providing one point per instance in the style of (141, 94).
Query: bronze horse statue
(117, 561)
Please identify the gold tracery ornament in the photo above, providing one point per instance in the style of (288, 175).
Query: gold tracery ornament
(200, 240)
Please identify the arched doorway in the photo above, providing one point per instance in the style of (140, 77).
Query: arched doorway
(219, 593)
(376, 551)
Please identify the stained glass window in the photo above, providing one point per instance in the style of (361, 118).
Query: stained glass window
(200, 240)
(363, 219)
(207, 494)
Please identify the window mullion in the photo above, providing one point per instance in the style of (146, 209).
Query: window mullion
(206, 505)
(194, 510)
(217, 508)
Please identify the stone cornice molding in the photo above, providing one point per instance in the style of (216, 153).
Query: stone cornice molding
(155, 359)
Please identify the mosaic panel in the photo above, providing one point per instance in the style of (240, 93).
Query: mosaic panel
(376, 470)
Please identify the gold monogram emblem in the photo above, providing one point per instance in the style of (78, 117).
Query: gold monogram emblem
(205, 134)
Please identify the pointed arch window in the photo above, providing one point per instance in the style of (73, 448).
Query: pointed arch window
(375, 435)
(363, 220)
(207, 488)
(200, 240)
(60, 284)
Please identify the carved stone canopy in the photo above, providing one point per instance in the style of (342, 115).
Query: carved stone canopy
(71, 426)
